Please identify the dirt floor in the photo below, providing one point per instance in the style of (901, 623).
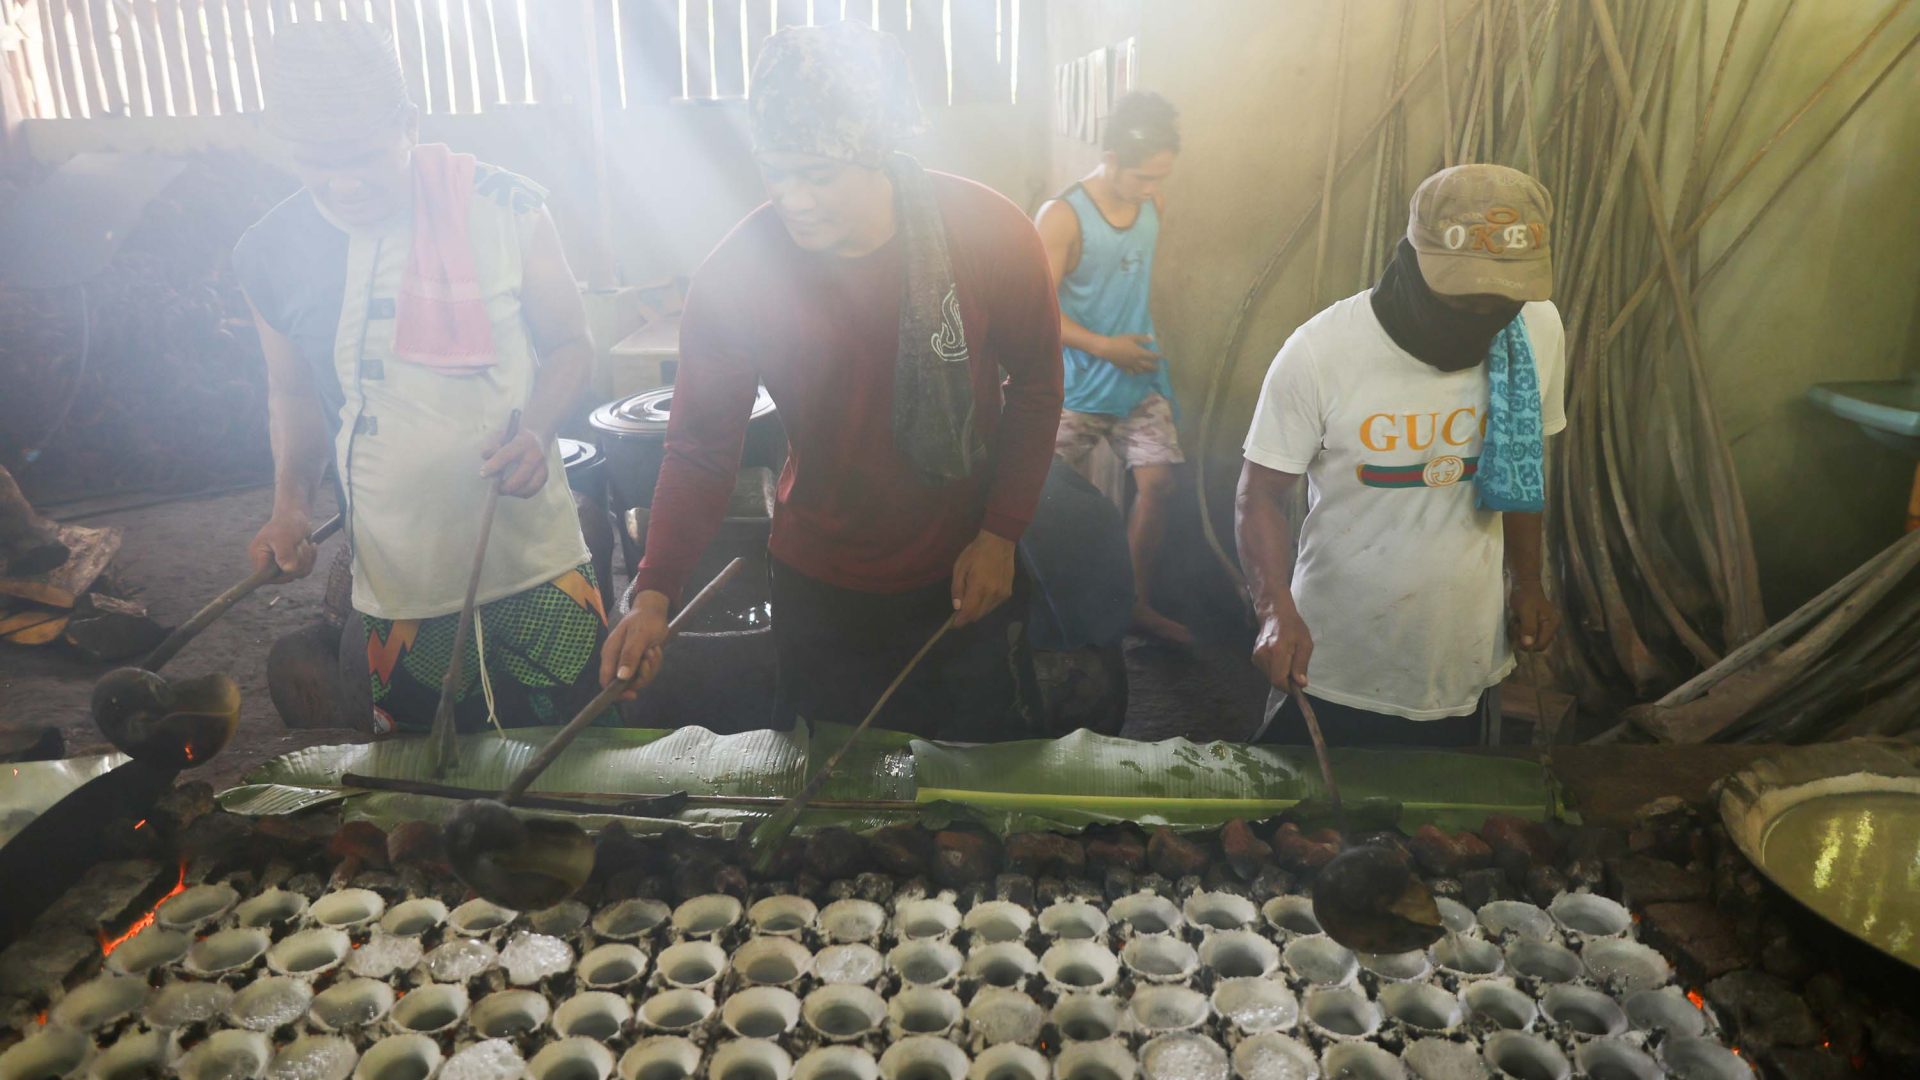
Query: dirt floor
(180, 554)
(177, 556)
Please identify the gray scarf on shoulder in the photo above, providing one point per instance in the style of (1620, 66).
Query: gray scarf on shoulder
(932, 374)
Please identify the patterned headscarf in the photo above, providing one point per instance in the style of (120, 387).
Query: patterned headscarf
(842, 92)
(333, 80)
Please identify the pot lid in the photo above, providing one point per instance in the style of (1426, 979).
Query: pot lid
(646, 413)
(576, 454)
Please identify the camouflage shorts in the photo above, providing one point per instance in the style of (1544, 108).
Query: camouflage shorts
(1145, 436)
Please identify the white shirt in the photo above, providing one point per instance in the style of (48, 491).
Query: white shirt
(410, 447)
(1399, 576)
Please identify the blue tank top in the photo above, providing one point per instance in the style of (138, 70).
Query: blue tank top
(1107, 293)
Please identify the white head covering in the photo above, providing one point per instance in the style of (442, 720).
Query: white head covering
(333, 80)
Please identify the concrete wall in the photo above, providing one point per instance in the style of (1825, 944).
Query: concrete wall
(1824, 289)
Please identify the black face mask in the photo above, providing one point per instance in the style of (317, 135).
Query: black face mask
(1424, 325)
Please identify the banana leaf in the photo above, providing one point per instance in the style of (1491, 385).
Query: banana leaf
(624, 761)
(1085, 779)
(1067, 783)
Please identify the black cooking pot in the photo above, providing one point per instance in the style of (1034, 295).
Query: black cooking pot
(633, 434)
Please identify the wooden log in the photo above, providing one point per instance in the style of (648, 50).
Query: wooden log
(1740, 692)
(29, 543)
(106, 628)
(91, 550)
(33, 626)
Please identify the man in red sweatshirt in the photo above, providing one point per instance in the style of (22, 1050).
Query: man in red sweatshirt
(882, 306)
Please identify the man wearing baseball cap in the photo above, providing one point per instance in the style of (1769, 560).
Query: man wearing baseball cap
(1418, 412)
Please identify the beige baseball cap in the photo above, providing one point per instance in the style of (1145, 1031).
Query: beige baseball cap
(1481, 230)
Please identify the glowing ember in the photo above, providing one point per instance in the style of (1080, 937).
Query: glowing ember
(141, 824)
(1698, 1001)
(107, 944)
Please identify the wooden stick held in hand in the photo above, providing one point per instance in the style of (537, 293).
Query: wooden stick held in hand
(441, 753)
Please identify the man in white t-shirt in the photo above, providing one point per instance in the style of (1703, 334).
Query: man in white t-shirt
(1411, 410)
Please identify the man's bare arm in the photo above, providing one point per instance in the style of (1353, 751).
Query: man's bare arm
(1285, 645)
(298, 431)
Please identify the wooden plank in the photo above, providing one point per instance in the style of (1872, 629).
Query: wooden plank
(512, 38)
(101, 18)
(609, 30)
(927, 52)
(555, 43)
(179, 79)
(433, 42)
(220, 55)
(133, 60)
(52, 13)
(33, 626)
(792, 13)
(92, 549)
(283, 14)
(1027, 41)
(486, 62)
(460, 44)
(206, 100)
(976, 72)
(650, 45)
(406, 38)
(729, 65)
(893, 16)
(759, 27)
(146, 16)
(76, 48)
(246, 67)
(696, 59)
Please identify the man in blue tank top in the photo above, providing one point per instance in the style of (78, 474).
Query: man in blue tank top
(1100, 236)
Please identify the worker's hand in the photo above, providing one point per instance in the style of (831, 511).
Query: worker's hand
(1131, 353)
(982, 577)
(519, 462)
(283, 541)
(1532, 620)
(636, 644)
(1284, 647)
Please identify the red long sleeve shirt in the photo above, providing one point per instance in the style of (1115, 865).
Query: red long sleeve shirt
(821, 331)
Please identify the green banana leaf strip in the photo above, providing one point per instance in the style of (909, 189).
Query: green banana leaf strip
(628, 761)
(1086, 779)
(1068, 783)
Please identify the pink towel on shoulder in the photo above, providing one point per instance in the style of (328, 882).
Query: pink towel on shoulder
(441, 318)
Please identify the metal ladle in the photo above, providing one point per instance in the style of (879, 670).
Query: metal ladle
(180, 724)
(1366, 898)
(532, 863)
